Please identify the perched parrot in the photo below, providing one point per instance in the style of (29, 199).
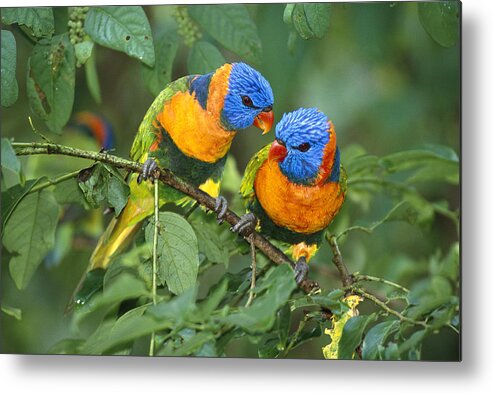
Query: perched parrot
(188, 129)
(294, 187)
(95, 126)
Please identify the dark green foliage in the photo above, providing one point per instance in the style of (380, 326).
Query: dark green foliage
(38, 21)
(400, 220)
(441, 20)
(51, 81)
(10, 90)
(231, 26)
(102, 182)
(124, 29)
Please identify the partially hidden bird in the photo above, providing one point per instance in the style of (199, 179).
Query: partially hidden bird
(188, 129)
(294, 187)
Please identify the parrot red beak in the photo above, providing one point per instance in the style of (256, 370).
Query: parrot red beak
(277, 152)
(264, 121)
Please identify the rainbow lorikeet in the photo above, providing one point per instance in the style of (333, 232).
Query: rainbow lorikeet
(95, 126)
(296, 185)
(188, 129)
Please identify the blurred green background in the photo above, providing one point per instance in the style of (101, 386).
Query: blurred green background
(385, 84)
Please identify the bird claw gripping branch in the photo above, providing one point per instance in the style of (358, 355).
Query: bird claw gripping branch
(221, 208)
(300, 270)
(246, 225)
(148, 169)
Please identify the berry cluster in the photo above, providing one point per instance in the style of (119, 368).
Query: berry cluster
(76, 18)
(187, 28)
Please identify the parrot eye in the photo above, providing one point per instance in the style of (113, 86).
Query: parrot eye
(304, 147)
(247, 101)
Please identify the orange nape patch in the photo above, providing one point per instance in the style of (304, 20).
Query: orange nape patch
(303, 250)
(197, 132)
(299, 208)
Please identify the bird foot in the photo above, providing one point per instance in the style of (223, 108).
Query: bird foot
(221, 208)
(148, 171)
(300, 270)
(246, 225)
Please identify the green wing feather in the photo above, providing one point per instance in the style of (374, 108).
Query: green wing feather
(145, 135)
(343, 180)
(246, 187)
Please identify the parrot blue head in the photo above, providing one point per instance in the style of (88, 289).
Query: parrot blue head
(249, 100)
(301, 137)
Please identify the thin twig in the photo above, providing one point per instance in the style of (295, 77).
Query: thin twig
(52, 182)
(389, 310)
(346, 278)
(364, 277)
(251, 294)
(154, 256)
(36, 131)
(167, 177)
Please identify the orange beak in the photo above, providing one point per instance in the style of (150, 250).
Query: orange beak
(264, 121)
(277, 152)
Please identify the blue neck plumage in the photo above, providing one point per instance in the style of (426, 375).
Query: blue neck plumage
(306, 172)
(200, 86)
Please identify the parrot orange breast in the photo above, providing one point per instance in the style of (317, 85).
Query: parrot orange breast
(299, 208)
(195, 131)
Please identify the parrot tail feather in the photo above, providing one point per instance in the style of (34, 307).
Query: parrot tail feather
(120, 232)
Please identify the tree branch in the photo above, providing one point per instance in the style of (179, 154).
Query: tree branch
(167, 177)
(346, 278)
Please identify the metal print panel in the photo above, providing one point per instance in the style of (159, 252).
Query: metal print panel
(259, 180)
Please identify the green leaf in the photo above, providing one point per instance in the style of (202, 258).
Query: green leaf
(103, 182)
(427, 164)
(30, 234)
(440, 19)
(278, 284)
(67, 346)
(12, 196)
(268, 347)
(213, 298)
(232, 26)
(178, 309)
(309, 20)
(83, 50)
(178, 252)
(92, 284)
(376, 337)
(92, 78)
(131, 325)
(39, 20)
(331, 300)
(10, 89)
(156, 78)
(125, 286)
(352, 333)
(9, 160)
(123, 28)
(210, 242)
(413, 343)
(12, 312)
(189, 346)
(287, 15)
(318, 18)
(118, 192)
(204, 58)
(283, 323)
(69, 191)
(300, 22)
(51, 81)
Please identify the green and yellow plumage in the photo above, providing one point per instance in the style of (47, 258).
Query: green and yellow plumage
(188, 129)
